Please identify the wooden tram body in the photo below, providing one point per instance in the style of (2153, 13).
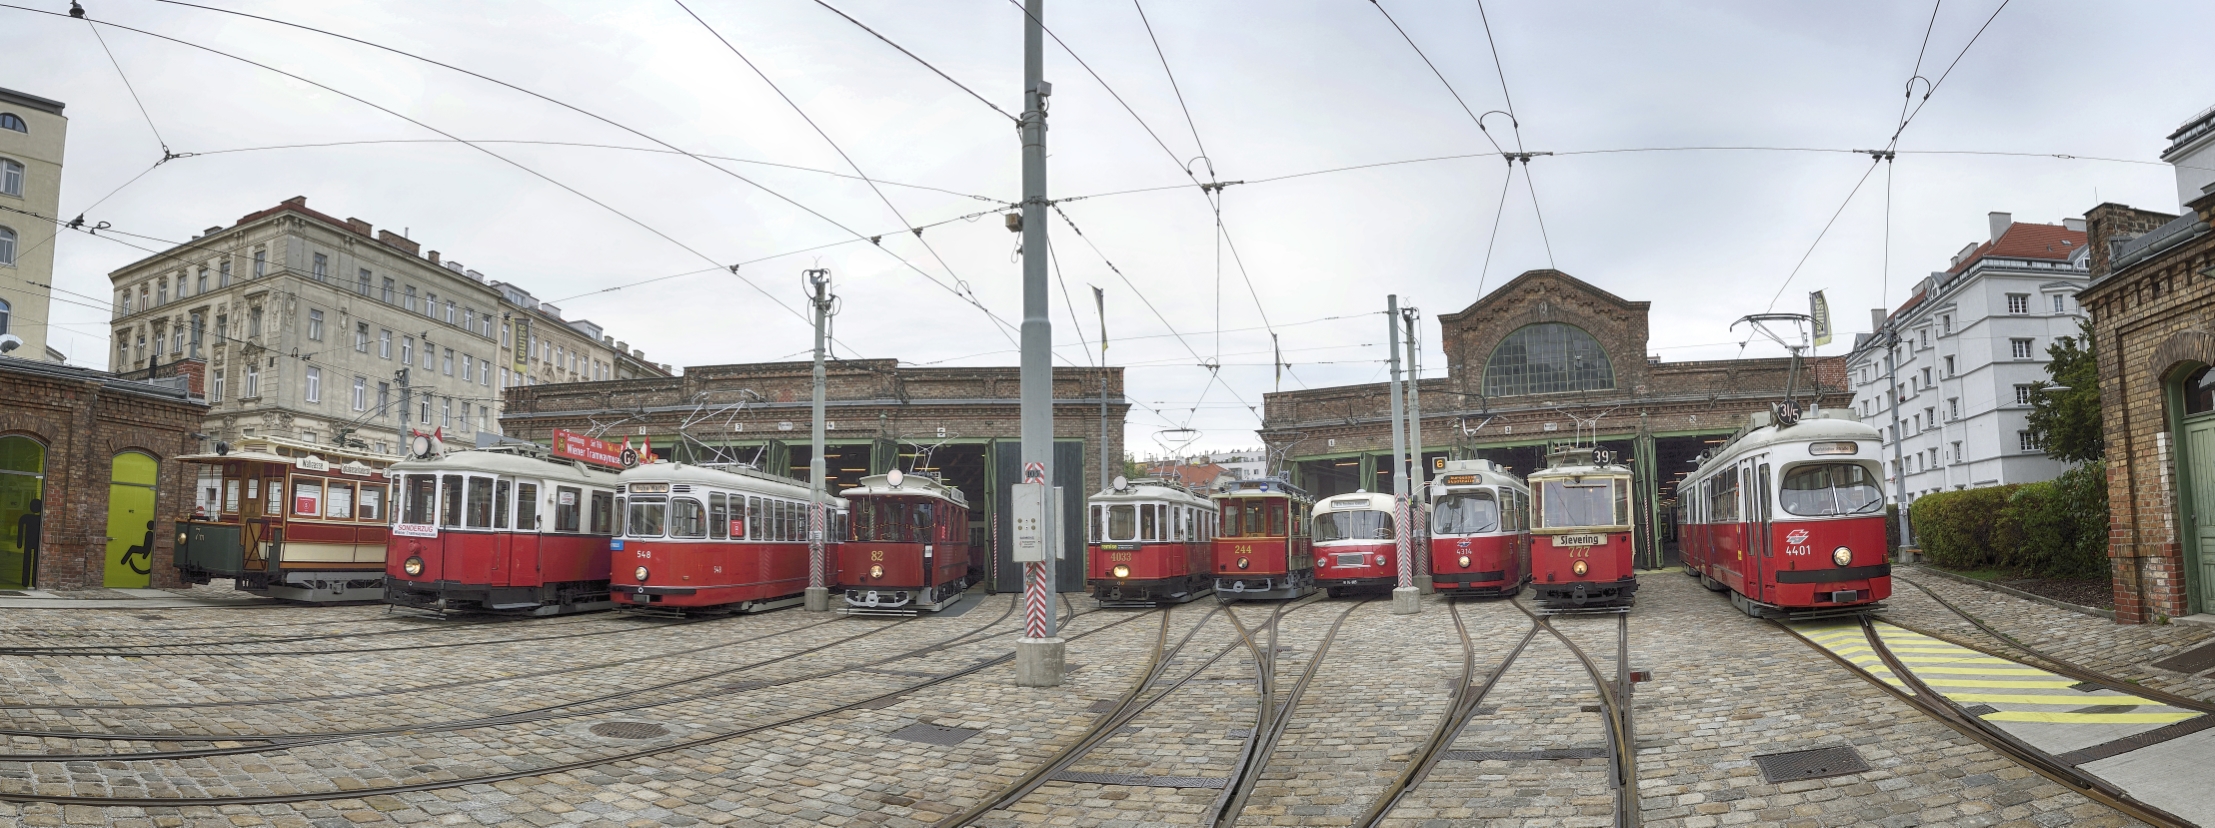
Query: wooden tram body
(502, 531)
(289, 520)
(909, 548)
(1262, 548)
(1789, 517)
(1480, 540)
(1581, 521)
(707, 538)
(1150, 543)
(1355, 543)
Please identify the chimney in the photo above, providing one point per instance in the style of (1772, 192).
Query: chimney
(2074, 224)
(397, 241)
(359, 226)
(1999, 222)
(212, 231)
(297, 201)
(1876, 319)
(431, 255)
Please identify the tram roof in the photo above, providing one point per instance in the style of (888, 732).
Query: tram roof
(1760, 432)
(1355, 502)
(1151, 490)
(280, 450)
(910, 485)
(511, 463)
(1263, 487)
(731, 478)
(1481, 472)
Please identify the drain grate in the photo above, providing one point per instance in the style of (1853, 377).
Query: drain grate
(2138, 740)
(1520, 755)
(2087, 687)
(1819, 763)
(1980, 709)
(2189, 661)
(1103, 706)
(934, 734)
(1142, 780)
(629, 730)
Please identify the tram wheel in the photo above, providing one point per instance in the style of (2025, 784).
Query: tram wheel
(1334, 592)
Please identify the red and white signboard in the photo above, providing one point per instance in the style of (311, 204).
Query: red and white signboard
(415, 530)
(579, 447)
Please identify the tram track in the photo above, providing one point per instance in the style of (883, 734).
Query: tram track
(869, 702)
(456, 626)
(1461, 707)
(1918, 694)
(1263, 744)
(96, 652)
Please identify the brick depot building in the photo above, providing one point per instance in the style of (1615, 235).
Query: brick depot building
(963, 424)
(90, 486)
(1530, 364)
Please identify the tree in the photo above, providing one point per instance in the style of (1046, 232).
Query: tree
(2065, 412)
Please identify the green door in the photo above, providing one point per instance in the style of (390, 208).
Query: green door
(130, 562)
(2199, 511)
(22, 487)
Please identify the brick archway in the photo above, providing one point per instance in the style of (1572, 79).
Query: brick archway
(2182, 350)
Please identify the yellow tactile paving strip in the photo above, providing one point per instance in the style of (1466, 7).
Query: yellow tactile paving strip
(2019, 692)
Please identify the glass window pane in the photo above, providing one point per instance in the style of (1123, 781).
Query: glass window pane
(1122, 522)
(307, 495)
(1547, 358)
(1819, 489)
(450, 492)
(338, 501)
(1360, 525)
(1465, 513)
(687, 518)
(645, 519)
(719, 515)
(480, 503)
(526, 507)
(500, 497)
(1572, 505)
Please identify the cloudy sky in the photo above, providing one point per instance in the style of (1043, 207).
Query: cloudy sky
(1272, 90)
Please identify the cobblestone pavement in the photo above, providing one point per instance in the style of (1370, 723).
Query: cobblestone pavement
(790, 718)
(2125, 651)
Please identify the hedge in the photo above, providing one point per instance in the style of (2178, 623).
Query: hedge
(2056, 528)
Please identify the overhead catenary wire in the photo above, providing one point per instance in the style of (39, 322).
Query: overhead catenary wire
(918, 59)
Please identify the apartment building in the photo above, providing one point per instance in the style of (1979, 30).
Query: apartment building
(323, 329)
(1967, 348)
(32, 130)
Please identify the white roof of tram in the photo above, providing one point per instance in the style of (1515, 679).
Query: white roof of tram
(1150, 490)
(745, 480)
(911, 485)
(1826, 424)
(1355, 502)
(507, 463)
(1484, 472)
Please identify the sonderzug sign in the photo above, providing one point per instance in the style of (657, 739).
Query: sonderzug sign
(576, 446)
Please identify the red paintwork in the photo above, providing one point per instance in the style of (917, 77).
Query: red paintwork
(904, 564)
(1508, 554)
(499, 559)
(1148, 561)
(721, 571)
(1608, 562)
(1329, 573)
(1726, 553)
(1264, 556)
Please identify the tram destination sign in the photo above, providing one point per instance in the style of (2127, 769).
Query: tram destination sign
(592, 450)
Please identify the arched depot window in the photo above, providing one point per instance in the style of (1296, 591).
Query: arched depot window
(1546, 358)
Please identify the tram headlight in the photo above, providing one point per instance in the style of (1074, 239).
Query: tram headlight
(1122, 571)
(640, 574)
(1241, 563)
(876, 570)
(1841, 556)
(1579, 567)
(413, 566)
(1463, 560)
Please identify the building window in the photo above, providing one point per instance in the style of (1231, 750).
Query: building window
(253, 322)
(466, 376)
(11, 177)
(1917, 422)
(215, 386)
(1949, 366)
(384, 398)
(2199, 392)
(447, 365)
(446, 412)
(1957, 451)
(410, 299)
(407, 350)
(176, 338)
(161, 290)
(315, 384)
(469, 319)
(123, 298)
(384, 344)
(484, 418)
(430, 304)
(322, 268)
(1926, 378)
(387, 289)
(9, 120)
(199, 326)
(2018, 303)
(361, 393)
(222, 327)
(1924, 336)
(361, 285)
(484, 372)
(1546, 358)
(1930, 416)
(426, 408)
(223, 273)
(2022, 395)
(315, 326)
(503, 377)
(253, 382)
(1945, 323)
(261, 263)
(2019, 348)
(504, 331)
(449, 311)
(202, 286)
(361, 337)
(1953, 408)
(2025, 441)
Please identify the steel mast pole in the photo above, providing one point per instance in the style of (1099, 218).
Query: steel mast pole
(1421, 475)
(1405, 600)
(1038, 654)
(1099, 297)
(819, 591)
(1892, 401)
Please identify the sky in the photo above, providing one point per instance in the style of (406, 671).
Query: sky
(582, 206)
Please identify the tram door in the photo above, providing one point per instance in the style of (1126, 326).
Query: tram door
(523, 543)
(1758, 553)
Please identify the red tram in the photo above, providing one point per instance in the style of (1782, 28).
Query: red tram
(1480, 540)
(712, 538)
(1581, 550)
(500, 530)
(1262, 549)
(1356, 546)
(325, 542)
(1788, 516)
(1150, 544)
(910, 546)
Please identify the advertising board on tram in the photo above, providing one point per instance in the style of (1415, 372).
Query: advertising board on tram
(576, 446)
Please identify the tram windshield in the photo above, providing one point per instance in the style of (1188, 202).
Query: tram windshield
(1825, 489)
(1566, 504)
(1253, 518)
(421, 498)
(1122, 522)
(893, 520)
(1465, 513)
(646, 518)
(1361, 525)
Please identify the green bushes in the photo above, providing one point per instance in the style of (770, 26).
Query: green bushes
(2055, 529)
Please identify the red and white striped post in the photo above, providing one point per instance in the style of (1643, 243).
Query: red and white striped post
(1037, 600)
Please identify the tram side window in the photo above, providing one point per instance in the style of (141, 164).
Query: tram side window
(1722, 496)
(646, 518)
(338, 501)
(450, 492)
(753, 519)
(419, 499)
(372, 502)
(1226, 516)
(719, 516)
(616, 527)
(1276, 518)
(566, 509)
(926, 517)
(1824, 489)
(687, 518)
(1098, 512)
(273, 500)
(1622, 501)
(603, 513)
(501, 492)
(308, 497)
(526, 507)
(479, 513)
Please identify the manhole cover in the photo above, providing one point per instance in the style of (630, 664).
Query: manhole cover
(1104, 706)
(1819, 763)
(2189, 661)
(934, 734)
(1984, 709)
(629, 730)
(2087, 687)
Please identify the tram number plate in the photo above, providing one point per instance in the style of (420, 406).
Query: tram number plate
(1579, 540)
